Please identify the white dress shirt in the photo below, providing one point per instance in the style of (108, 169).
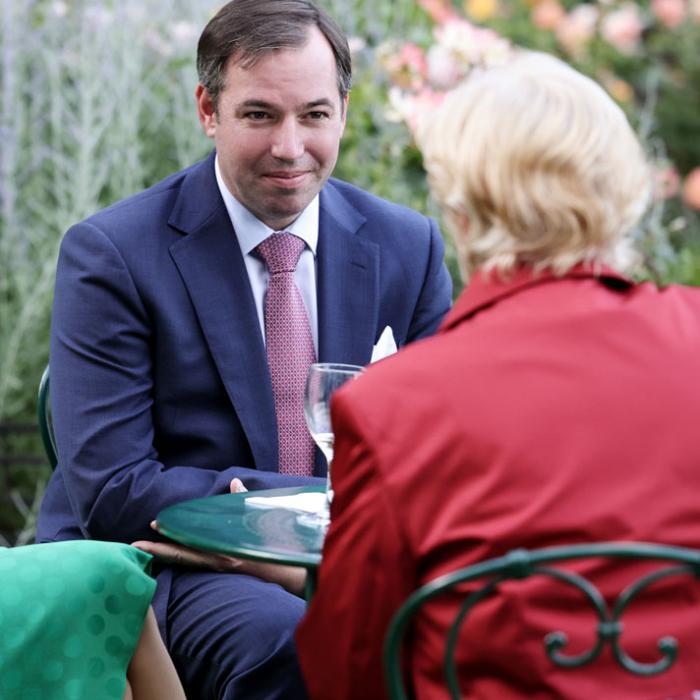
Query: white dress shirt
(250, 232)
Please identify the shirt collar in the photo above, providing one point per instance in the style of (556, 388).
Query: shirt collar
(250, 231)
(485, 290)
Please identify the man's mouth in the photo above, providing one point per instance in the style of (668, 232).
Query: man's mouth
(288, 179)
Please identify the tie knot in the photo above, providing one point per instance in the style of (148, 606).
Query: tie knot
(281, 252)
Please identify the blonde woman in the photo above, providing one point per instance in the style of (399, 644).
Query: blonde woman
(558, 404)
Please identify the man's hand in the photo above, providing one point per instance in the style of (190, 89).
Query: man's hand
(289, 577)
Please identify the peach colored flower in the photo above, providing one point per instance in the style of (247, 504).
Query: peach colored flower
(480, 10)
(695, 9)
(691, 189)
(623, 27)
(666, 182)
(617, 88)
(577, 27)
(439, 10)
(548, 14)
(670, 13)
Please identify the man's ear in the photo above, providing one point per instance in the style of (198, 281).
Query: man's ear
(344, 113)
(206, 110)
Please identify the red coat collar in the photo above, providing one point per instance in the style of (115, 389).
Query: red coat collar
(484, 291)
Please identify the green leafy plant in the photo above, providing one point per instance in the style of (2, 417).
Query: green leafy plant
(96, 103)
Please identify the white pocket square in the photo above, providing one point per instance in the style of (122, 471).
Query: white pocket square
(386, 345)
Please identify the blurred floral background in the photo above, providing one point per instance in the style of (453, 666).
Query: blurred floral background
(96, 102)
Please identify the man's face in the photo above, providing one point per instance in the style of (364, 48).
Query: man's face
(277, 129)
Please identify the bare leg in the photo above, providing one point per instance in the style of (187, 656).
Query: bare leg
(151, 673)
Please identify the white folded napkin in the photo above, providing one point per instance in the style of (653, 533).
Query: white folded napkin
(302, 502)
(386, 345)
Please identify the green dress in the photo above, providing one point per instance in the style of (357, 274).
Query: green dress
(71, 614)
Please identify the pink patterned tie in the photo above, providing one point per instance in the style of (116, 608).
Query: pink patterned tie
(290, 351)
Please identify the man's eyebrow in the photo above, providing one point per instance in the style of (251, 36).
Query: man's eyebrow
(261, 104)
(323, 102)
(256, 103)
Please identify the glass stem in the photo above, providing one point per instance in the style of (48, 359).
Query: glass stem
(329, 487)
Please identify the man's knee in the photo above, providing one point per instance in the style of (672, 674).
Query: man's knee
(233, 636)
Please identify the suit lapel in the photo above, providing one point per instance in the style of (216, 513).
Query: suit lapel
(347, 288)
(211, 265)
(347, 283)
(212, 268)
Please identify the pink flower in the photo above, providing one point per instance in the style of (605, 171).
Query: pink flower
(623, 27)
(548, 14)
(472, 45)
(577, 27)
(413, 57)
(407, 67)
(666, 183)
(439, 10)
(691, 189)
(443, 68)
(670, 13)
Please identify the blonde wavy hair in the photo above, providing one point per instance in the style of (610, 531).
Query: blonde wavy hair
(533, 163)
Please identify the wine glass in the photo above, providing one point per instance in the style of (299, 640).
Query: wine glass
(323, 379)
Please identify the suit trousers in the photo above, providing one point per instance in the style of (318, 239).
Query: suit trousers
(230, 635)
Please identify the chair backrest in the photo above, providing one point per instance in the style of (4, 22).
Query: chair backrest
(522, 563)
(44, 418)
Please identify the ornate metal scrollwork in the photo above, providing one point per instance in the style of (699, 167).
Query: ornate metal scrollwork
(609, 626)
(521, 564)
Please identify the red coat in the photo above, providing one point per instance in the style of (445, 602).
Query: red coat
(546, 411)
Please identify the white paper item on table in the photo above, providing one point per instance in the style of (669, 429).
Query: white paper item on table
(386, 345)
(302, 502)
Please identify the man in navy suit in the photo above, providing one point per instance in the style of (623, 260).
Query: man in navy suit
(160, 384)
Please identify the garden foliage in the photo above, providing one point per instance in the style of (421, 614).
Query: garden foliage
(646, 55)
(96, 103)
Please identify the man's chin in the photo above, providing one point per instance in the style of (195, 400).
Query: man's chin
(288, 205)
(278, 217)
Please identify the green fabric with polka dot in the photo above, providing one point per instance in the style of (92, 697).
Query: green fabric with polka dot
(71, 614)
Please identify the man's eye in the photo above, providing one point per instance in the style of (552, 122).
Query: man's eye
(317, 115)
(257, 116)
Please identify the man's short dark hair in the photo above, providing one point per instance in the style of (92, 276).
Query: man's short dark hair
(250, 29)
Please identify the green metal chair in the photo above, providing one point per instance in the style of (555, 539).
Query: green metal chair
(44, 418)
(522, 563)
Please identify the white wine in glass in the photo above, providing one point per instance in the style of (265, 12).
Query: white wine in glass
(323, 379)
(325, 443)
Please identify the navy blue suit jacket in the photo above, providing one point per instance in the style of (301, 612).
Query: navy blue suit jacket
(160, 388)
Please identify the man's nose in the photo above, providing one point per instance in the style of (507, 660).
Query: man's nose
(287, 142)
